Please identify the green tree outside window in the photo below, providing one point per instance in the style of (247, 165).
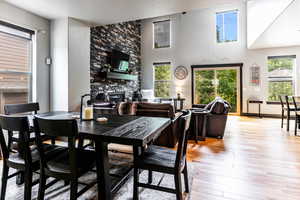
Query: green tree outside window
(162, 80)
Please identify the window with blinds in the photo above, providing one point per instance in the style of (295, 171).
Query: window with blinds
(15, 65)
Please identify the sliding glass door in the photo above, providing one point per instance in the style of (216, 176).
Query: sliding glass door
(217, 81)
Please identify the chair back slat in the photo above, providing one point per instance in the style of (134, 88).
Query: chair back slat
(57, 128)
(11, 109)
(14, 123)
(20, 126)
(184, 125)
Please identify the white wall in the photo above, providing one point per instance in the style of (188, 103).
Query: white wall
(194, 42)
(41, 26)
(79, 62)
(59, 67)
(70, 73)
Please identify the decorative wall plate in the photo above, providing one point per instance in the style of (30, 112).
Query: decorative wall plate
(181, 72)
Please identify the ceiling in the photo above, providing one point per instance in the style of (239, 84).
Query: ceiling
(99, 12)
(283, 31)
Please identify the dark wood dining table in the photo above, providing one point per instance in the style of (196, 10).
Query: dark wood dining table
(129, 130)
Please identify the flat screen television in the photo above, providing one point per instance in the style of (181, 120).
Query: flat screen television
(119, 61)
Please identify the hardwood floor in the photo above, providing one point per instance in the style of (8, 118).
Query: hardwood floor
(256, 160)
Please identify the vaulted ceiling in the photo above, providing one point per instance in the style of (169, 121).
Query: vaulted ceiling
(112, 11)
(273, 23)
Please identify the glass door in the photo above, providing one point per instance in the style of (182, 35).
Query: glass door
(212, 82)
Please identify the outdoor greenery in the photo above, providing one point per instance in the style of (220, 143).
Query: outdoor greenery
(212, 83)
(227, 87)
(280, 78)
(280, 88)
(162, 80)
(280, 63)
(204, 88)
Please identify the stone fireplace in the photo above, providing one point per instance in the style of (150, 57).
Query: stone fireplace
(125, 37)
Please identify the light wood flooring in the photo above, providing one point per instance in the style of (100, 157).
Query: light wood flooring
(255, 160)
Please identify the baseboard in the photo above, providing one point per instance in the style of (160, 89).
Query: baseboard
(263, 115)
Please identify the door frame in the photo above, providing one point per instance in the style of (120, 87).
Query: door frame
(237, 65)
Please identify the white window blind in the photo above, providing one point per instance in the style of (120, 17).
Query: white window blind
(15, 65)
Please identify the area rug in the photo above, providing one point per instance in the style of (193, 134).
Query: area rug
(60, 192)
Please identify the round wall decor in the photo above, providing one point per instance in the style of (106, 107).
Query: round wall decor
(181, 72)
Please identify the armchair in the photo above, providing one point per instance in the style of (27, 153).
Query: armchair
(217, 118)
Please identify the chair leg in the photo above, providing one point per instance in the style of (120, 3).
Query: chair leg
(186, 179)
(296, 123)
(282, 116)
(135, 184)
(20, 178)
(4, 181)
(53, 141)
(150, 176)
(80, 143)
(73, 192)
(178, 189)
(42, 186)
(28, 185)
(288, 121)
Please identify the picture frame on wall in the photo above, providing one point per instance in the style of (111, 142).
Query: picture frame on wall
(255, 75)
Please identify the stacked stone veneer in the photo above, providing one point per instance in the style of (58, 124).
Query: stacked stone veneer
(125, 37)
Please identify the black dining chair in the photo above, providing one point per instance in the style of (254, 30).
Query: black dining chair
(290, 108)
(26, 109)
(160, 159)
(297, 115)
(24, 158)
(68, 166)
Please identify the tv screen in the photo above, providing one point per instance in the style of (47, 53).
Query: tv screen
(119, 61)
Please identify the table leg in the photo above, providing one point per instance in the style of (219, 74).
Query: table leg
(259, 110)
(204, 127)
(247, 107)
(103, 178)
(196, 128)
(181, 104)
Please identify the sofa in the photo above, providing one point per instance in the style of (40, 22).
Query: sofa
(169, 137)
(216, 119)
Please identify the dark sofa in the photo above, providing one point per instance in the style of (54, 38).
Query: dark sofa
(169, 137)
(217, 117)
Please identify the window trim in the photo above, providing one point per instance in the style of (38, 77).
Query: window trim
(155, 64)
(153, 34)
(238, 26)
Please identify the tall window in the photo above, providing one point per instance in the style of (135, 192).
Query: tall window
(227, 26)
(162, 34)
(15, 65)
(280, 76)
(162, 79)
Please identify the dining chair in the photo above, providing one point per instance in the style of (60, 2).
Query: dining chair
(297, 115)
(28, 109)
(68, 166)
(24, 158)
(163, 160)
(290, 108)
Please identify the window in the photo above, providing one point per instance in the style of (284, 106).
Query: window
(15, 65)
(162, 79)
(162, 34)
(227, 26)
(280, 76)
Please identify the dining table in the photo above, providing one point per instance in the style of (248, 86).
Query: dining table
(137, 131)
